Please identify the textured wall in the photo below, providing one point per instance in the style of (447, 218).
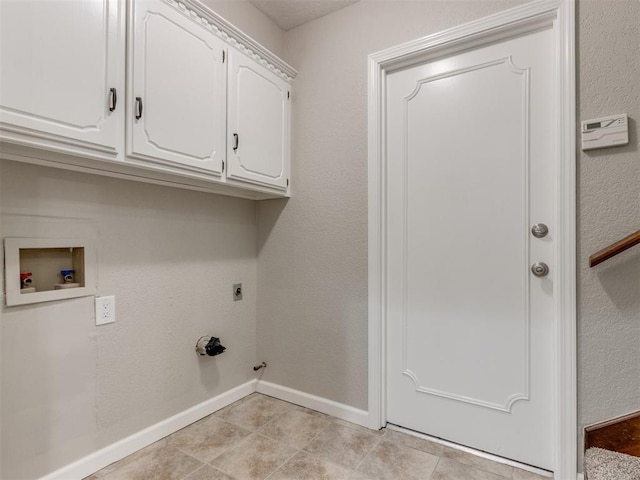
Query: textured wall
(170, 257)
(609, 209)
(312, 260)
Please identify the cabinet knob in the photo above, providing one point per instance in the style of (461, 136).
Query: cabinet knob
(236, 141)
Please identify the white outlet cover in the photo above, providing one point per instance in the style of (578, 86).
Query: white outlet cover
(105, 310)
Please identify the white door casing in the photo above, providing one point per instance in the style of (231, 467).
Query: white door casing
(180, 97)
(398, 258)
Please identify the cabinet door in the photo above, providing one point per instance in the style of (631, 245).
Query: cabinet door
(258, 124)
(59, 61)
(176, 105)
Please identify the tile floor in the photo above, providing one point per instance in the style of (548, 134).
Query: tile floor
(260, 437)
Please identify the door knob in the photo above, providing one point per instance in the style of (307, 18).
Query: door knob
(539, 230)
(540, 269)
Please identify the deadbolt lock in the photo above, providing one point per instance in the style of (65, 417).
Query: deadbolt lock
(540, 269)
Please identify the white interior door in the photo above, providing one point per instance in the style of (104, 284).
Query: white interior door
(471, 167)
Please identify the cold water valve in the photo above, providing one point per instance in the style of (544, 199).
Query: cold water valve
(67, 275)
(68, 280)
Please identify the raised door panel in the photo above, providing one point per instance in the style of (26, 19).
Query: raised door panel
(176, 106)
(60, 60)
(258, 124)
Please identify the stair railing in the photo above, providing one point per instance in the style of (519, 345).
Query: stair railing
(614, 249)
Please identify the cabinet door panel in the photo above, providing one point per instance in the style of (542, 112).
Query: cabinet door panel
(259, 116)
(59, 61)
(178, 74)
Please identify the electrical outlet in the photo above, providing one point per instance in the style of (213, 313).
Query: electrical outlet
(105, 310)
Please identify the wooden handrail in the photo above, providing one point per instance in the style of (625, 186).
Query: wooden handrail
(614, 249)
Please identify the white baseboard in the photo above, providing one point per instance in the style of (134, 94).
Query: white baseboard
(119, 450)
(320, 404)
(580, 476)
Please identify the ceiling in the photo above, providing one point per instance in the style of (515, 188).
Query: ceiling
(291, 13)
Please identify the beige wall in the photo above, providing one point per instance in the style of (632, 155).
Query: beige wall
(170, 257)
(608, 209)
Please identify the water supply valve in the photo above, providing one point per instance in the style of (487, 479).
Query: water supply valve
(26, 283)
(67, 280)
(67, 275)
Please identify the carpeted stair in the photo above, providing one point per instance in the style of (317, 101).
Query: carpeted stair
(603, 464)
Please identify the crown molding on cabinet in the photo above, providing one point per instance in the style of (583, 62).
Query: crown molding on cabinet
(234, 36)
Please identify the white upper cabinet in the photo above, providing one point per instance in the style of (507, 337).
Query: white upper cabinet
(62, 75)
(258, 138)
(176, 103)
(197, 95)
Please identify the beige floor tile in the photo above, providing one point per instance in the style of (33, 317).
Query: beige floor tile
(478, 462)
(254, 458)
(519, 474)
(391, 461)
(236, 403)
(448, 469)
(295, 427)
(259, 437)
(414, 442)
(360, 428)
(255, 412)
(306, 467)
(164, 463)
(207, 472)
(343, 445)
(131, 458)
(359, 476)
(208, 438)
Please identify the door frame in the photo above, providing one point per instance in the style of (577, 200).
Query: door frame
(560, 15)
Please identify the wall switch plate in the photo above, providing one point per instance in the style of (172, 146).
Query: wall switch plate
(105, 310)
(237, 291)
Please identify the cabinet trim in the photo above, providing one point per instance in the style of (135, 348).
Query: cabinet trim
(210, 20)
